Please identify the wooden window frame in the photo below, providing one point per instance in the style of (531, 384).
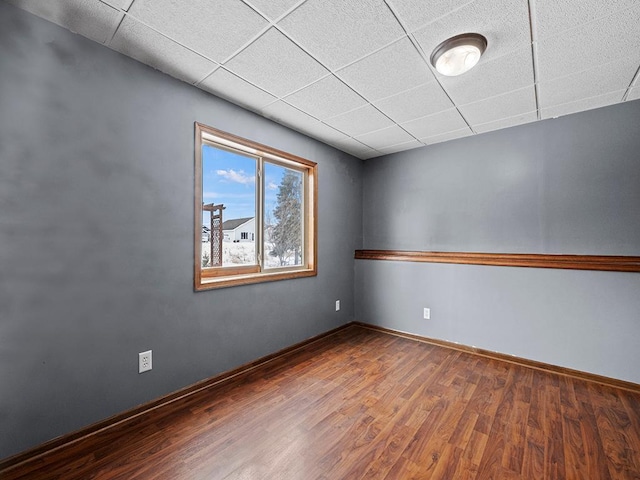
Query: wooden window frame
(207, 278)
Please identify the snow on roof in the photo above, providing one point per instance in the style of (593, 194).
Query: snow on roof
(235, 223)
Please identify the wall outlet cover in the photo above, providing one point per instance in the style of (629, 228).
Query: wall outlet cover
(144, 361)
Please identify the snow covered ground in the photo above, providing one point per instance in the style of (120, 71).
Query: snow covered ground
(241, 253)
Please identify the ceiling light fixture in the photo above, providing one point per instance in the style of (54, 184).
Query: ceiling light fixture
(458, 54)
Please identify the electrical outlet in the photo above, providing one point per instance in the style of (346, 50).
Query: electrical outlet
(337, 305)
(144, 361)
(427, 313)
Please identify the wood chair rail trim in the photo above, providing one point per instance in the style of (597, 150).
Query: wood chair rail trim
(571, 262)
(546, 367)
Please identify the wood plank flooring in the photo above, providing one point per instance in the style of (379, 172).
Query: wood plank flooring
(363, 404)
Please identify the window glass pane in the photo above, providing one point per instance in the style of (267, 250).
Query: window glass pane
(283, 216)
(229, 208)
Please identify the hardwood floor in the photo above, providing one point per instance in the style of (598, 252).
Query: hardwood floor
(367, 404)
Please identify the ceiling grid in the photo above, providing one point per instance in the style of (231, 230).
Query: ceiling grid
(357, 74)
(534, 53)
(424, 57)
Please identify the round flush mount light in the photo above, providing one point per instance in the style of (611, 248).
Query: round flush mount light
(458, 54)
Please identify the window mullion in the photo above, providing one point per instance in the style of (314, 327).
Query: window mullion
(260, 214)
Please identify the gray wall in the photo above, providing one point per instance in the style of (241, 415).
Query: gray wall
(96, 237)
(567, 185)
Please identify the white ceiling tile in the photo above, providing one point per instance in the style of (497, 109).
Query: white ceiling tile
(148, 46)
(634, 94)
(89, 18)
(326, 98)
(276, 64)
(415, 103)
(601, 41)
(214, 30)
(325, 133)
(582, 105)
(362, 120)
(507, 122)
(401, 147)
(505, 24)
(286, 114)
(445, 137)
(610, 77)
(442, 122)
(227, 85)
(499, 107)
(356, 148)
(120, 4)
(338, 32)
(393, 69)
(371, 155)
(417, 13)
(272, 9)
(289, 116)
(554, 17)
(488, 79)
(393, 135)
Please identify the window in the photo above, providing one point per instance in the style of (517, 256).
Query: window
(255, 212)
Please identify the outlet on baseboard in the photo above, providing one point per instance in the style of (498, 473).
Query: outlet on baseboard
(144, 361)
(337, 305)
(427, 313)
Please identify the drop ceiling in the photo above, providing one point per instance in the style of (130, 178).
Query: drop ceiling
(355, 74)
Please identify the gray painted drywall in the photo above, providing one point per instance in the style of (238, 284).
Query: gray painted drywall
(568, 185)
(96, 240)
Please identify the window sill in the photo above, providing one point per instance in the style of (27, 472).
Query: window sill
(209, 283)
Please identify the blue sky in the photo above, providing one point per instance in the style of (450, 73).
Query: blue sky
(230, 179)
